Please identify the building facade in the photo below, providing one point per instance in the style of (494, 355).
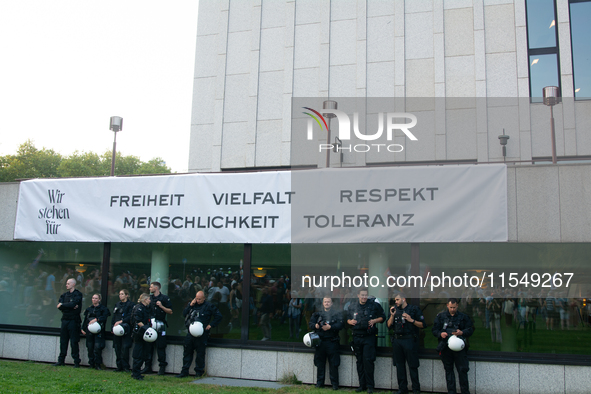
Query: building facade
(469, 71)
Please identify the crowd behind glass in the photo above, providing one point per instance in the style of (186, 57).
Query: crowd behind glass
(513, 319)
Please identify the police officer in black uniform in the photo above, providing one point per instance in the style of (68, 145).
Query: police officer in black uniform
(122, 344)
(70, 303)
(209, 315)
(140, 320)
(327, 324)
(453, 322)
(363, 316)
(95, 343)
(405, 321)
(160, 306)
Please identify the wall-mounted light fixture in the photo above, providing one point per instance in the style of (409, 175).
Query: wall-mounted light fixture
(503, 138)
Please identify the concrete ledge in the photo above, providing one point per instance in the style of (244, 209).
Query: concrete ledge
(42, 348)
(298, 364)
(271, 366)
(576, 379)
(541, 379)
(16, 346)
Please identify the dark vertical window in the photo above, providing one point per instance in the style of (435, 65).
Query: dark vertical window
(543, 71)
(580, 30)
(542, 41)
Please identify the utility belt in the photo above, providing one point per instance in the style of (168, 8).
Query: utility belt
(362, 334)
(330, 339)
(402, 336)
(75, 318)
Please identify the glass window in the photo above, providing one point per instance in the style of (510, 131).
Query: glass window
(541, 23)
(271, 317)
(34, 274)
(580, 17)
(518, 298)
(543, 71)
(542, 47)
(182, 270)
(339, 270)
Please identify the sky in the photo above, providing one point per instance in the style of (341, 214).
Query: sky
(68, 66)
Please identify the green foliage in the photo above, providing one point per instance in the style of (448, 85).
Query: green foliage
(28, 377)
(30, 162)
(154, 166)
(82, 164)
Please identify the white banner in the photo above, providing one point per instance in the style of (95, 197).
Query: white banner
(403, 204)
(194, 208)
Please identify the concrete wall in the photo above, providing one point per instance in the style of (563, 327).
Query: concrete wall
(549, 203)
(253, 56)
(485, 377)
(8, 200)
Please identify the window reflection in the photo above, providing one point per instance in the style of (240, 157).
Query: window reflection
(542, 47)
(521, 316)
(275, 312)
(541, 23)
(33, 275)
(182, 269)
(543, 72)
(349, 267)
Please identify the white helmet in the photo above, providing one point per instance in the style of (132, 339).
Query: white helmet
(456, 344)
(94, 328)
(119, 330)
(150, 335)
(311, 339)
(196, 329)
(157, 325)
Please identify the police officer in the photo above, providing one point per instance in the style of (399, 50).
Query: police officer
(327, 324)
(405, 321)
(208, 314)
(95, 343)
(122, 344)
(160, 306)
(140, 320)
(70, 304)
(453, 322)
(363, 316)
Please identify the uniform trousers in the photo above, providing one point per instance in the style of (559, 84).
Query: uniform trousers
(140, 355)
(70, 332)
(328, 349)
(122, 345)
(365, 353)
(95, 343)
(160, 345)
(460, 360)
(406, 350)
(195, 345)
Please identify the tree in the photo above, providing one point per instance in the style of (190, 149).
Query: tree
(154, 166)
(82, 164)
(124, 165)
(30, 162)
